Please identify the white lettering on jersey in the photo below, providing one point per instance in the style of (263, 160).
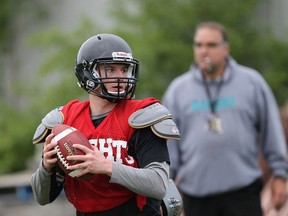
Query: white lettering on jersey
(106, 146)
(129, 160)
(119, 144)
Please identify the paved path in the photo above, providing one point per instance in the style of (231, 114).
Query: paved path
(16, 198)
(10, 205)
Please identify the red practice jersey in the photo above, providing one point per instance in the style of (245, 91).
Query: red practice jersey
(111, 138)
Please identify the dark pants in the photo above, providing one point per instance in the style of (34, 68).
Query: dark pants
(242, 202)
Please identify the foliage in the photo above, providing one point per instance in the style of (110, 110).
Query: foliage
(162, 41)
(57, 83)
(161, 35)
(8, 18)
(15, 132)
(15, 124)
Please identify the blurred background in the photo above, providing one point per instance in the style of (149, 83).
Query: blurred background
(39, 41)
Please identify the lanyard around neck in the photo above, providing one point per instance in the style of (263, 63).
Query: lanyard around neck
(212, 101)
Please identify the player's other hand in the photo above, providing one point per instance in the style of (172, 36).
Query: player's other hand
(49, 160)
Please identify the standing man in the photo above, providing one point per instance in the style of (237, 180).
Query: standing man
(225, 113)
(130, 160)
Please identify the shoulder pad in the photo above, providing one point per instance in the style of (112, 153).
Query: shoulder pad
(166, 129)
(148, 116)
(52, 118)
(158, 117)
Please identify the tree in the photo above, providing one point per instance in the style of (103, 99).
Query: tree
(56, 80)
(8, 24)
(161, 33)
(16, 139)
(16, 131)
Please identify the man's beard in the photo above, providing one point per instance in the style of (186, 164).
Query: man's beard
(211, 68)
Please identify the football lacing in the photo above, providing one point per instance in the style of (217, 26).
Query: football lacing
(61, 157)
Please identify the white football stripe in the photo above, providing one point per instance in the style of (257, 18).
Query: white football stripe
(63, 134)
(74, 173)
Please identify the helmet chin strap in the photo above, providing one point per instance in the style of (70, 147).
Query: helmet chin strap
(112, 97)
(105, 97)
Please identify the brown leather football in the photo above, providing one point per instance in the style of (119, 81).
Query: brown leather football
(66, 136)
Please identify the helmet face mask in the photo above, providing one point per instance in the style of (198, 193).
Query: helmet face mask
(124, 84)
(96, 56)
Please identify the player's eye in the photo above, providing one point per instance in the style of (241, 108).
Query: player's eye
(109, 69)
(125, 70)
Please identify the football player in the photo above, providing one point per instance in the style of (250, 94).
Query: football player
(130, 160)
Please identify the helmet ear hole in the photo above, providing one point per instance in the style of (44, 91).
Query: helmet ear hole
(91, 81)
(80, 76)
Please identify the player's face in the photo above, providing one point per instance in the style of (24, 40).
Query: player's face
(210, 51)
(115, 74)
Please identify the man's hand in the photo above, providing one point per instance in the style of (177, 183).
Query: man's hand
(278, 192)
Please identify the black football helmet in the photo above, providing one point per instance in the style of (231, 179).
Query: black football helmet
(106, 49)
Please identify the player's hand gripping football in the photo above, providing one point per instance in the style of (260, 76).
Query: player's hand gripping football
(92, 162)
(49, 160)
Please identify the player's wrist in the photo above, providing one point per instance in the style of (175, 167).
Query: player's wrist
(108, 167)
(47, 168)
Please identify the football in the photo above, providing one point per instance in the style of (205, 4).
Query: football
(66, 136)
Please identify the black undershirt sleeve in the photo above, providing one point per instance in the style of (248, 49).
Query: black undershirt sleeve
(147, 147)
(57, 181)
